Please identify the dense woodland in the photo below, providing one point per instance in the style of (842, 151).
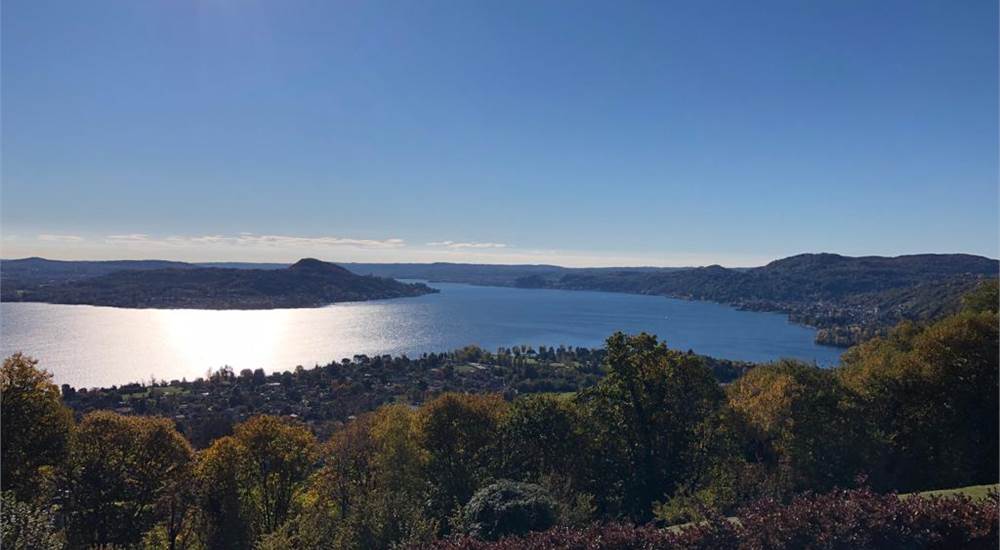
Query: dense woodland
(786, 456)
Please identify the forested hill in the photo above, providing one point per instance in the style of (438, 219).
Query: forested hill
(806, 277)
(307, 283)
(44, 271)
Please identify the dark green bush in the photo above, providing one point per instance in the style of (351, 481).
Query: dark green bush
(508, 508)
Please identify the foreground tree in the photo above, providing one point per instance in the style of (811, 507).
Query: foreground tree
(543, 435)
(125, 475)
(459, 433)
(279, 455)
(933, 392)
(246, 482)
(803, 426)
(37, 427)
(222, 507)
(371, 493)
(647, 417)
(543, 440)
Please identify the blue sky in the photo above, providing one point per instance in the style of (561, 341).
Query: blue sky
(579, 133)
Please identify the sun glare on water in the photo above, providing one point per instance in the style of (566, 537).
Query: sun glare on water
(242, 339)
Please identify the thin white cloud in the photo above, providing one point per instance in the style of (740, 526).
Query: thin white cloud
(460, 245)
(285, 240)
(49, 237)
(251, 240)
(127, 239)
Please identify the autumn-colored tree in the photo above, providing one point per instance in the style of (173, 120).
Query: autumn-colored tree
(395, 508)
(933, 391)
(802, 424)
(348, 473)
(125, 475)
(372, 490)
(279, 455)
(246, 482)
(220, 480)
(985, 297)
(36, 426)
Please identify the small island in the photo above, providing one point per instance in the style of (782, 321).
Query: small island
(306, 283)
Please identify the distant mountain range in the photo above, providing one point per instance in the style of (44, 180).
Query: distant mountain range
(847, 298)
(156, 284)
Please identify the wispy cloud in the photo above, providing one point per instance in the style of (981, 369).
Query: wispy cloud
(49, 237)
(254, 240)
(127, 239)
(460, 245)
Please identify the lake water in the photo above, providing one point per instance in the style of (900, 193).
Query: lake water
(100, 346)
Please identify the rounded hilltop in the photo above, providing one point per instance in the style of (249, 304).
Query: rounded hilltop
(317, 266)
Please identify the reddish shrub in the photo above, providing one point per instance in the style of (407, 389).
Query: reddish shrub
(855, 519)
(863, 519)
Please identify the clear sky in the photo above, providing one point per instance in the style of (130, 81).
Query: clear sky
(570, 132)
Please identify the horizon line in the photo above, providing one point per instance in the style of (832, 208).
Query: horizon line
(519, 264)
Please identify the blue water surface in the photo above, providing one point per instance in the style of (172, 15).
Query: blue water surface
(97, 346)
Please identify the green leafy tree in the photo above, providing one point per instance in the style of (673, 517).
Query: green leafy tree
(647, 416)
(725, 474)
(37, 427)
(543, 440)
(459, 432)
(542, 435)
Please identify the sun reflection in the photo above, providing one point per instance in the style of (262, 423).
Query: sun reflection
(204, 340)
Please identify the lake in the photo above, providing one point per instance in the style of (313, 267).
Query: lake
(87, 346)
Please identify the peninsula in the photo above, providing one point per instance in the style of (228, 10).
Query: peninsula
(306, 283)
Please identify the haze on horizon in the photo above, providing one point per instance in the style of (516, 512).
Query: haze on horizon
(669, 134)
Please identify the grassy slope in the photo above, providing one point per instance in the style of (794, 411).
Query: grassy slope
(975, 492)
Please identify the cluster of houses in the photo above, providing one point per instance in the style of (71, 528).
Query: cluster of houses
(325, 397)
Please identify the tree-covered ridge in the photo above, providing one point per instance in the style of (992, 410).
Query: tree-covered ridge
(655, 442)
(307, 283)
